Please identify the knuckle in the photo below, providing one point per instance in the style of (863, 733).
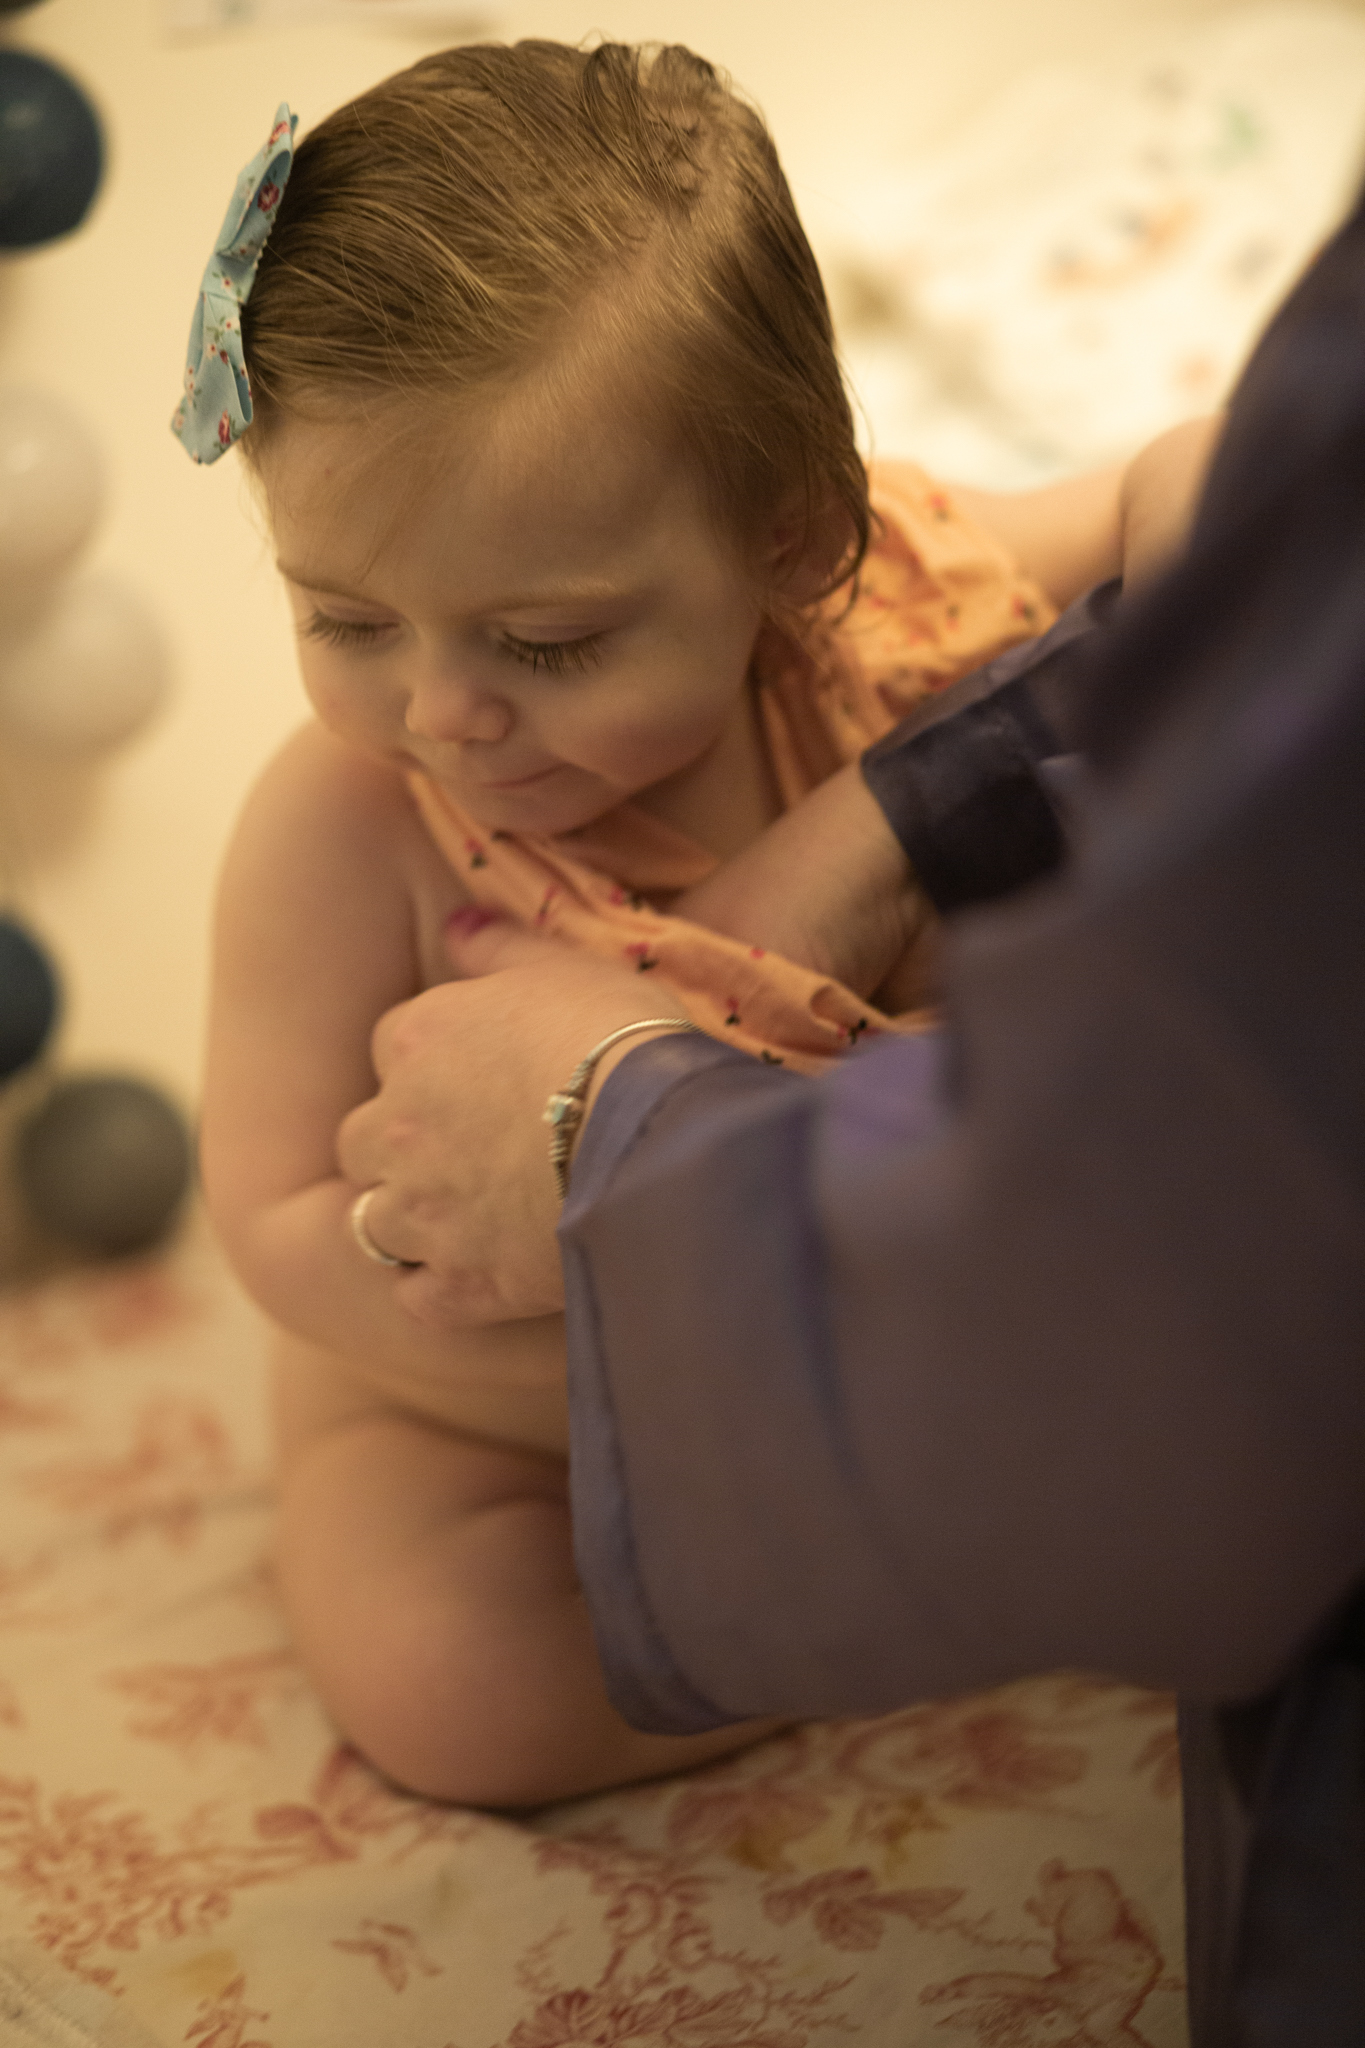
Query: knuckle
(402, 1134)
(446, 1300)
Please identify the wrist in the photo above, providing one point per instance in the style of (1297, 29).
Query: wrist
(611, 1060)
(568, 1107)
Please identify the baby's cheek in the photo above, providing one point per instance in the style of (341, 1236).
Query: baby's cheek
(651, 754)
(674, 729)
(342, 708)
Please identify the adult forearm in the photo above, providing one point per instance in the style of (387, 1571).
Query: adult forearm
(828, 884)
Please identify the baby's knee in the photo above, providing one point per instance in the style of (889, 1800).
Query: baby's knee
(449, 1669)
(445, 1719)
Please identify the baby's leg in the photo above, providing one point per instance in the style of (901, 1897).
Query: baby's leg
(429, 1579)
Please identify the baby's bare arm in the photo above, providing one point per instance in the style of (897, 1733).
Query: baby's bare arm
(1161, 488)
(316, 937)
(1125, 519)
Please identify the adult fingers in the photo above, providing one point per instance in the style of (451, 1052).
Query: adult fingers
(454, 1299)
(378, 1230)
(427, 1023)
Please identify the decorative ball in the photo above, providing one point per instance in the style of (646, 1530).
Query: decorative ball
(104, 1163)
(51, 488)
(29, 997)
(87, 673)
(51, 151)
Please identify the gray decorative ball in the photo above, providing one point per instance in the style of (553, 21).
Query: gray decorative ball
(104, 1163)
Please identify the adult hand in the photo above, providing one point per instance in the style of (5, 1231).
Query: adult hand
(454, 1143)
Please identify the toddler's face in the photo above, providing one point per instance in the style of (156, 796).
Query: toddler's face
(528, 603)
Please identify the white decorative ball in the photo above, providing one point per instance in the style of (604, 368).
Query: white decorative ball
(51, 490)
(86, 673)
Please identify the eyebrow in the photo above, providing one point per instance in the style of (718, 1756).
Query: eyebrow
(584, 593)
(321, 585)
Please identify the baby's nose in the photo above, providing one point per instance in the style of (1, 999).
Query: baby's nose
(443, 706)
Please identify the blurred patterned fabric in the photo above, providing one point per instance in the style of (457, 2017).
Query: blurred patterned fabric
(188, 1854)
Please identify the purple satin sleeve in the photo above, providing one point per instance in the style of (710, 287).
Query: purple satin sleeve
(707, 1110)
(972, 781)
(1031, 1344)
(645, 1682)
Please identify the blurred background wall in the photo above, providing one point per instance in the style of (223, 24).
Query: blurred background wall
(114, 864)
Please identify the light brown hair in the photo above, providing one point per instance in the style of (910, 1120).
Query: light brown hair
(450, 228)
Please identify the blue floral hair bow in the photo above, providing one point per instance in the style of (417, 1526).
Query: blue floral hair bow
(216, 408)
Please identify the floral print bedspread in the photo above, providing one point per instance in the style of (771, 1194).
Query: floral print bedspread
(189, 1855)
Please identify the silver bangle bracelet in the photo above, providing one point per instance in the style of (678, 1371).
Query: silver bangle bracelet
(565, 1109)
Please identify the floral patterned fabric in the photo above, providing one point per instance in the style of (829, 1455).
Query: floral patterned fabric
(188, 1855)
(937, 597)
(215, 410)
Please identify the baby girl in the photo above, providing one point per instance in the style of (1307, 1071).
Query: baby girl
(538, 385)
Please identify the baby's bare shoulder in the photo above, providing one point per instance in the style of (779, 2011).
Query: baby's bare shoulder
(329, 839)
(321, 809)
(317, 786)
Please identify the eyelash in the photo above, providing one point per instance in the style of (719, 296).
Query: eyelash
(556, 657)
(339, 632)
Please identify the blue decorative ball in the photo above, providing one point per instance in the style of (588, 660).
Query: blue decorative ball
(51, 151)
(104, 1163)
(29, 997)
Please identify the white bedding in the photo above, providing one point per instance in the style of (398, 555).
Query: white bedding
(1093, 256)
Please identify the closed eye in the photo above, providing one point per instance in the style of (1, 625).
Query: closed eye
(556, 657)
(335, 632)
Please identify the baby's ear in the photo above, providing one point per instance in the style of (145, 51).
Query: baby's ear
(804, 548)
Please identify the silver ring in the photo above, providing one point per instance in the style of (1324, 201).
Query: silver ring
(362, 1235)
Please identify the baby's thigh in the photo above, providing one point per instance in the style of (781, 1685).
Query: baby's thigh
(368, 1485)
(407, 1554)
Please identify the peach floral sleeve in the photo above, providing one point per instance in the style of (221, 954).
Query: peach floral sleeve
(937, 597)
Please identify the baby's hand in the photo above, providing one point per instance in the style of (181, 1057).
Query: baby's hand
(1160, 490)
